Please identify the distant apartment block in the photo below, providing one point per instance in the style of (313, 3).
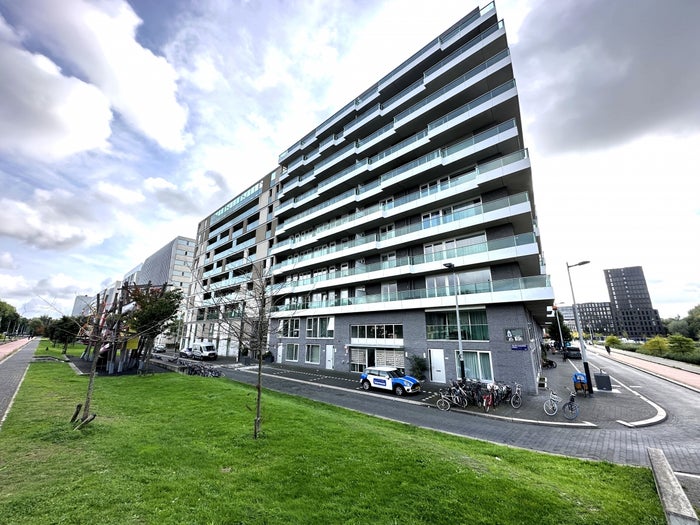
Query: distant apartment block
(231, 259)
(633, 313)
(82, 306)
(172, 265)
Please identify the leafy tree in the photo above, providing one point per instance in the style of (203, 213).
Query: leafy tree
(677, 326)
(64, 331)
(694, 322)
(154, 309)
(554, 329)
(656, 346)
(680, 344)
(613, 341)
(9, 318)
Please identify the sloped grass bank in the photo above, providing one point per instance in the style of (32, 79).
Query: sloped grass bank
(173, 449)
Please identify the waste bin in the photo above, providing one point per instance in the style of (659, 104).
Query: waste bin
(602, 381)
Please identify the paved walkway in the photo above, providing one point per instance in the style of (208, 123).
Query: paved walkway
(14, 361)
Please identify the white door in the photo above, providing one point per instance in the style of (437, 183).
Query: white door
(280, 350)
(330, 356)
(437, 365)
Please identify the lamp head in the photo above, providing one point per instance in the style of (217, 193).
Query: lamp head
(449, 265)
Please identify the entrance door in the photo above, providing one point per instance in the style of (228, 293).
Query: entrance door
(437, 365)
(330, 356)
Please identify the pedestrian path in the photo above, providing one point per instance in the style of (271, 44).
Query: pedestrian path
(14, 361)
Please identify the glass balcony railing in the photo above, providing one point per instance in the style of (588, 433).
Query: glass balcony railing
(454, 183)
(505, 285)
(406, 263)
(456, 83)
(445, 219)
(465, 48)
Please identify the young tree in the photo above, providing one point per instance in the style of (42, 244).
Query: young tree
(554, 329)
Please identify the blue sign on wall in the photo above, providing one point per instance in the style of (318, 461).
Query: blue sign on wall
(518, 347)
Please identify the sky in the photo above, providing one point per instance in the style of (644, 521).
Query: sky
(123, 124)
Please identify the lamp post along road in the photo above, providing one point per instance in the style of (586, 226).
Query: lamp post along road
(584, 356)
(455, 281)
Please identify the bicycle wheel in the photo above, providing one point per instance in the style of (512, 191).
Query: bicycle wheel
(487, 404)
(516, 401)
(443, 404)
(570, 410)
(550, 407)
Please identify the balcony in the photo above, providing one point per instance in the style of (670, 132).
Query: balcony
(520, 289)
(480, 253)
(498, 167)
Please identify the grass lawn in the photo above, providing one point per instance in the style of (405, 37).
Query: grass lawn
(175, 449)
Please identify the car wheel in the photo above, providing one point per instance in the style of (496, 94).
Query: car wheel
(399, 390)
(366, 386)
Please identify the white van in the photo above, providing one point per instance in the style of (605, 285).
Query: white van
(203, 351)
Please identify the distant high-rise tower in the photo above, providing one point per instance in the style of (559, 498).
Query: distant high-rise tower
(632, 311)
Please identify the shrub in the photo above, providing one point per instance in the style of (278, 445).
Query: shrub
(418, 366)
(655, 346)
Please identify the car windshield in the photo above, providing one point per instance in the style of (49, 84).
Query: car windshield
(396, 373)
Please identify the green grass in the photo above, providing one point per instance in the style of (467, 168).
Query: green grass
(178, 449)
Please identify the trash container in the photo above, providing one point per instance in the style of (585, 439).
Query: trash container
(602, 381)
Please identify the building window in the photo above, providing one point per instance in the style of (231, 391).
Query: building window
(313, 354)
(443, 325)
(372, 331)
(474, 365)
(289, 327)
(320, 326)
(291, 352)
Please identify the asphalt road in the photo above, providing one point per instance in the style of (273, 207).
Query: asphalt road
(677, 436)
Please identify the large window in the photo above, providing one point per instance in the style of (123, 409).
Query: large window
(289, 327)
(474, 365)
(292, 352)
(319, 327)
(376, 331)
(443, 325)
(313, 354)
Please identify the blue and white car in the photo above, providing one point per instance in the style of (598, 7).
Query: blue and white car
(389, 378)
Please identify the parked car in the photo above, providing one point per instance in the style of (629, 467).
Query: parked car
(186, 352)
(158, 349)
(571, 352)
(389, 378)
(203, 351)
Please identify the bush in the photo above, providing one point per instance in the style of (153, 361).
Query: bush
(656, 346)
(418, 366)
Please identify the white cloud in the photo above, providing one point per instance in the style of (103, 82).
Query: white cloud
(98, 40)
(46, 115)
(7, 261)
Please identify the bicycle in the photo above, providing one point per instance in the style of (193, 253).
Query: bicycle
(516, 399)
(444, 402)
(570, 409)
(551, 406)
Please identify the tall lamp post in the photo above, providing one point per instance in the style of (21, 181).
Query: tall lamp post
(455, 280)
(584, 357)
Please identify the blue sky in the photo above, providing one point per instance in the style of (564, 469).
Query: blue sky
(124, 124)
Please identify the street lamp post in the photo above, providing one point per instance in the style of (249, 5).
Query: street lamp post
(584, 356)
(455, 280)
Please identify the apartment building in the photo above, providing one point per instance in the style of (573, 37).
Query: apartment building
(406, 224)
(232, 270)
(633, 313)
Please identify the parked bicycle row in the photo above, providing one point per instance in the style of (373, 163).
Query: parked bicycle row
(464, 393)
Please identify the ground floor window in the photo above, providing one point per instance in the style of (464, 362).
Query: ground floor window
(388, 357)
(313, 354)
(474, 365)
(443, 325)
(292, 352)
(358, 359)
